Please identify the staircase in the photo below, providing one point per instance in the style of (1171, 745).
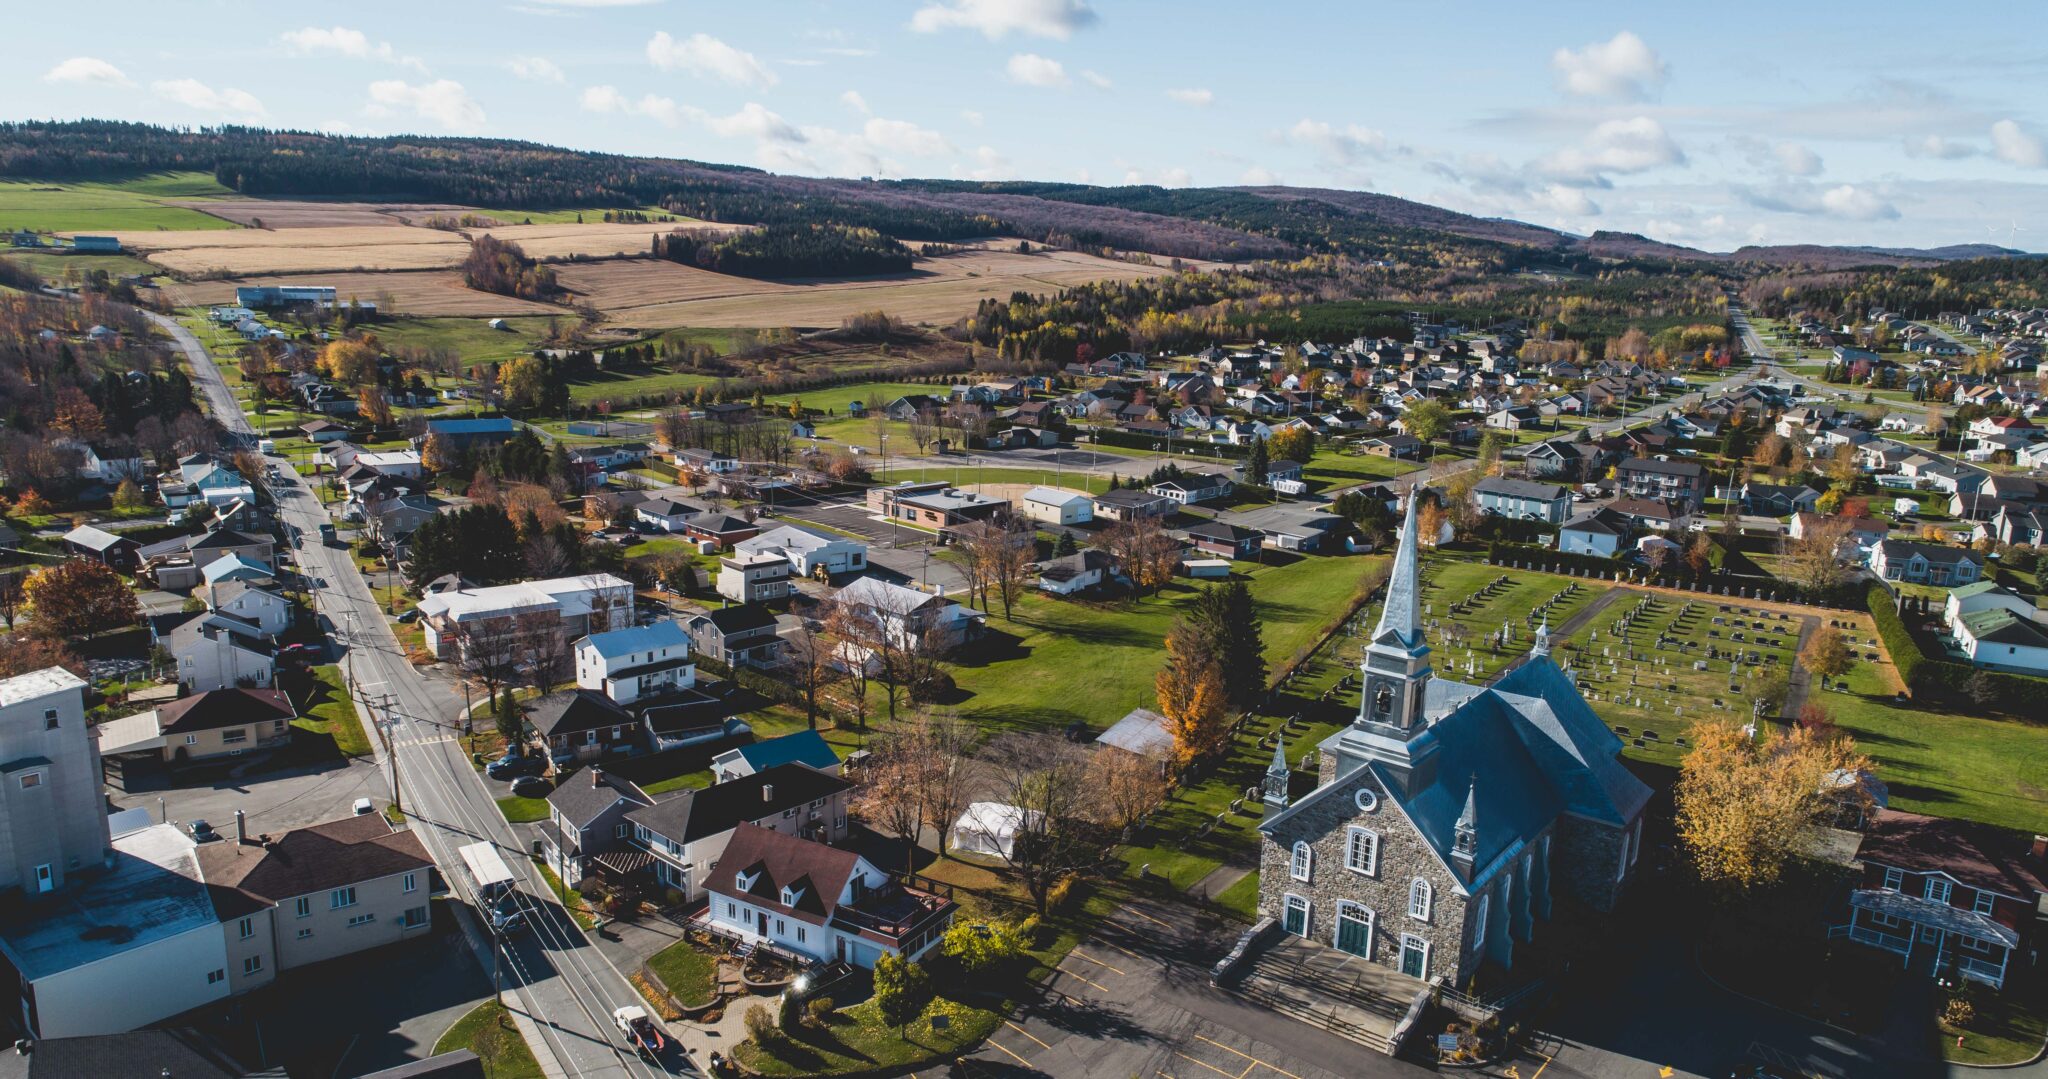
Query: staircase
(1344, 996)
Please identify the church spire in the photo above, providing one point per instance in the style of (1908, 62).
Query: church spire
(1542, 645)
(1402, 616)
(1274, 790)
(1465, 835)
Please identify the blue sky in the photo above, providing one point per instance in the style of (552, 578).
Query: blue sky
(1877, 122)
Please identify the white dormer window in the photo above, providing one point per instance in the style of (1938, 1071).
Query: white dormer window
(1938, 889)
(1304, 861)
(1893, 879)
(790, 895)
(745, 881)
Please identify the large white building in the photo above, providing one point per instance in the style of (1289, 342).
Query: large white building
(573, 604)
(52, 820)
(628, 664)
(809, 552)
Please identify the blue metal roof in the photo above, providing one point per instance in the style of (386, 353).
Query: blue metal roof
(803, 747)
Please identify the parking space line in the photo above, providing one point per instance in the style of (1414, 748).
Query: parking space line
(1148, 917)
(1248, 1056)
(1009, 1054)
(1118, 947)
(1026, 1033)
(1211, 1067)
(1076, 953)
(1077, 977)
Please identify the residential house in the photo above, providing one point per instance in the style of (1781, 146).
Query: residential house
(808, 551)
(2001, 638)
(1653, 514)
(1559, 459)
(1683, 482)
(1598, 532)
(638, 661)
(102, 546)
(1300, 528)
(687, 833)
(1131, 504)
(1924, 563)
(587, 821)
(1947, 895)
(1523, 500)
(1515, 418)
(911, 406)
(807, 748)
(319, 431)
(753, 578)
(736, 635)
(270, 613)
(1399, 447)
(1864, 532)
(203, 726)
(1778, 500)
(457, 622)
(709, 462)
(1192, 488)
(911, 619)
(819, 902)
(720, 529)
(1077, 572)
(1051, 505)
(667, 514)
(1225, 540)
(582, 725)
(219, 651)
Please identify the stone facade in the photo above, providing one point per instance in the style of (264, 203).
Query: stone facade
(1589, 860)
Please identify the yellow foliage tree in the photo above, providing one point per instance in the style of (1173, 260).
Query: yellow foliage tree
(1191, 694)
(1745, 806)
(522, 381)
(351, 360)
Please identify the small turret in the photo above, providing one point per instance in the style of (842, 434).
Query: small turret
(1541, 647)
(1465, 837)
(1278, 775)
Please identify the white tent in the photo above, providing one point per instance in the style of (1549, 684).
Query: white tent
(989, 828)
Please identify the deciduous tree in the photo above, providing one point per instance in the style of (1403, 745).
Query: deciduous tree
(1745, 806)
(1191, 694)
(79, 598)
(1826, 654)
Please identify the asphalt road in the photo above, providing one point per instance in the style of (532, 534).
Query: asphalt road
(559, 986)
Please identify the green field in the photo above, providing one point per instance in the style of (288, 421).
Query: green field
(66, 268)
(589, 214)
(1332, 469)
(967, 476)
(473, 338)
(612, 386)
(835, 399)
(130, 205)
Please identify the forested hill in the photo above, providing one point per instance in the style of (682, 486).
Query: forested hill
(1232, 224)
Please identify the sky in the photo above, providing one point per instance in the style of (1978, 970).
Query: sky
(1881, 122)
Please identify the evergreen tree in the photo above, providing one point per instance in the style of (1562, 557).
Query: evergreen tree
(1065, 546)
(1255, 462)
(1228, 617)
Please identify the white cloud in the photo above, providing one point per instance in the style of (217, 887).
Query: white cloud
(2014, 144)
(752, 120)
(1844, 201)
(1557, 198)
(997, 18)
(988, 164)
(972, 117)
(1097, 79)
(1623, 67)
(84, 69)
(757, 121)
(1032, 69)
(1624, 146)
(1176, 177)
(443, 101)
(1259, 177)
(702, 54)
(1856, 204)
(854, 101)
(663, 110)
(342, 41)
(1796, 159)
(904, 137)
(535, 69)
(1347, 143)
(1192, 96)
(1938, 148)
(200, 97)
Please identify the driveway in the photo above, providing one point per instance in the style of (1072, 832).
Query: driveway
(274, 799)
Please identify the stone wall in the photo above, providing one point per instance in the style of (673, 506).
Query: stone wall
(1587, 861)
(1403, 855)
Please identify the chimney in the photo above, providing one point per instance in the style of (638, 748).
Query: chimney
(2041, 848)
(241, 828)
(767, 792)
(597, 778)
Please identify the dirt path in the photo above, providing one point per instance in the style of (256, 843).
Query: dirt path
(1571, 625)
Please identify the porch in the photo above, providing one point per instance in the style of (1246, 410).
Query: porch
(1931, 938)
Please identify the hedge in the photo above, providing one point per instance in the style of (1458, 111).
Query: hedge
(1133, 441)
(1943, 679)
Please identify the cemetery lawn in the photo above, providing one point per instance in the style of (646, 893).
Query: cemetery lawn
(1461, 637)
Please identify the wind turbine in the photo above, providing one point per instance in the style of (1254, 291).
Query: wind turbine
(2012, 235)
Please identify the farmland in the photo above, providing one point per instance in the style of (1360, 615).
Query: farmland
(375, 247)
(296, 214)
(427, 293)
(164, 201)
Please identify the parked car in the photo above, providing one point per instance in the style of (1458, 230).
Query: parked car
(514, 765)
(411, 614)
(531, 787)
(508, 913)
(302, 651)
(202, 832)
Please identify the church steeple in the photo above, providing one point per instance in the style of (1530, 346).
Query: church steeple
(1542, 645)
(1465, 835)
(1394, 671)
(1274, 791)
(1402, 616)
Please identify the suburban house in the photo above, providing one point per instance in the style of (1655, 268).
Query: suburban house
(666, 514)
(1946, 895)
(753, 578)
(1598, 532)
(1193, 487)
(1864, 532)
(817, 901)
(1050, 505)
(1225, 540)
(269, 612)
(464, 434)
(910, 618)
(1523, 500)
(1778, 500)
(1985, 596)
(582, 725)
(744, 634)
(1131, 504)
(710, 462)
(101, 546)
(722, 529)
(639, 661)
(587, 819)
(458, 621)
(934, 505)
(1077, 572)
(1683, 482)
(215, 723)
(1289, 528)
(809, 552)
(220, 651)
(1397, 446)
(802, 747)
(1924, 563)
(180, 563)
(687, 833)
(2002, 639)
(1403, 856)
(318, 431)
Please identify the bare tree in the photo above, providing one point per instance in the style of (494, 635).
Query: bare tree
(924, 428)
(887, 799)
(544, 556)
(11, 596)
(1010, 564)
(1045, 778)
(853, 659)
(808, 661)
(488, 652)
(1143, 551)
(540, 637)
(1816, 555)
(971, 550)
(945, 773)
(1126, 786)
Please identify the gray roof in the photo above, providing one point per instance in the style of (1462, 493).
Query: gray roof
(587, 795)
(1510, 488)
(151, 892)
(1402, 616)
(1142, 731)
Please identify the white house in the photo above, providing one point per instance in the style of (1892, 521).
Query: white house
(404, 464)
(2001, 639)
(809, 551)
(753, 578)
(1076, 572)
(666, 514)
(574, 604)
(1597, 532)
(269, 612)
(817, 901)
(906, 614)
(628, 664)
(220, 651)
(1050, 505)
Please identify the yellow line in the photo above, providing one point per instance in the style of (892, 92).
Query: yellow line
(1546, 1063)
(1248, 1056)
(1077, 977)
(1026, 1033)
(1009, 1054)
(1076, 953)
(1211, 1067)
(1119, 947)
(1149, 918)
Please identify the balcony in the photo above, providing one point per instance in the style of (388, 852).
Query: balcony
(896, 911)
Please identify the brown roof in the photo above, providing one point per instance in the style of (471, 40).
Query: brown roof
(775, 860)
(1974, 854)
(306, 861)
(222, 708)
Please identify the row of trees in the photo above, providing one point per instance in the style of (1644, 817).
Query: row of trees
(787, 250)
(501, 266)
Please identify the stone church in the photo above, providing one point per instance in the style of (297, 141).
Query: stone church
(1447, 816)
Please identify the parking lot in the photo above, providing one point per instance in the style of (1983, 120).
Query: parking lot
(859, 520)
(273, 798)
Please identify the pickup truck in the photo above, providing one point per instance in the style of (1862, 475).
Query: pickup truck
(326, 535)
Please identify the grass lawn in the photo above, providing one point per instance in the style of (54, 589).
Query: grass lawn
(968, 476)
(489, 1033)
(835, 399)
(1982, 768)
(858, 1042)
(473, 338)
(619, 385)
(1459, 639)
(325, 709)
(2008, 1029)
(1241, 900)
(1061, 661)
(690, 975)
(131, 205)
(1332, 469)
(523, 810)
(68, 268)
(570, 898)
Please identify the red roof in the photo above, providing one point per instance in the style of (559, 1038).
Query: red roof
(1975, 854)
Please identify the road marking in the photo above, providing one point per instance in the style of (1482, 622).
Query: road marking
(1248, 1056)
(1009, 1054)
(1664, 1072)
(1026, 1033)
(1118, 947)
(1212, 1067)
(1078, 978)
(1547, 1058)
(1076, 953)
(1148, 917)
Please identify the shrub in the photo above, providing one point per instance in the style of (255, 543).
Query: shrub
(761, 1025)
(1959, 1013)
(821, 1010)
(1064, 891)
(901, 989)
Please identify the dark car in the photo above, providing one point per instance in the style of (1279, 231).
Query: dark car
(531, 787)
(411, 614)
(202, 832)
(514, 765)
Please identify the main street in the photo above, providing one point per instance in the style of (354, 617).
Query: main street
(560, 988)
